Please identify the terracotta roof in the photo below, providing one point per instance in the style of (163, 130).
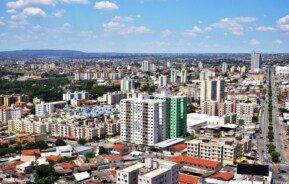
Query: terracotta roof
(178, 147)
(30, 152)
(70, 137)
(113, 173)
(187, 179)
(118, 147)
(67, 165)
(11, 167)
(226, 176)
(111, 157)
(53, 157)
(197, 161)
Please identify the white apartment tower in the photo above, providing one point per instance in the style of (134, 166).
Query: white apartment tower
(143, 121)
(224, 67)
(126, 84)
(184, 76)
(256, 60)
(174, 76)
(212, 89)
(146, 66)
(162, 80)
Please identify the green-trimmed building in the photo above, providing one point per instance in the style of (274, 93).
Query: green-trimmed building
(176, 115)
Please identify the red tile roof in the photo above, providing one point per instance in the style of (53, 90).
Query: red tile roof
(53, 157)
(11, 167)
(111, 157)
(113, 173)
(197, 161)
(118, 147)
(226, 176)
(67, 165)
(30, 152)
(178, 147)
(187, 179)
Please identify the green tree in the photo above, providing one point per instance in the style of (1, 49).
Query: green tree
(41, 144)
(89, 155)
(63, 159)
(102, 150)
(44, 170)
(81, 141)
(275, 156)
(60, 142)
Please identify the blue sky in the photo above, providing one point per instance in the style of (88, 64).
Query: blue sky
(172, 26)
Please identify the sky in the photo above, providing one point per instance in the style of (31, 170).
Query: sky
(146, 26)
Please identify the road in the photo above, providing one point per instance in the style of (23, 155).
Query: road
(264, 156)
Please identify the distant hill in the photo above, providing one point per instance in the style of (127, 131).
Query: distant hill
(60, 53)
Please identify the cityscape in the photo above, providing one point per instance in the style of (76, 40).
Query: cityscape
(115, 104)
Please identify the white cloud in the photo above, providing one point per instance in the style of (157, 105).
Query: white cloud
(283, 23)
(30, 12)
(124, 29)
(105, 5)
(265, 28)
(2, 21)
(17, 24)
(234, 25)
(279, 42)
(166, 33)
(3, 34)
(66, 26)
(75, 1)
(254, 42)
(192, 32)
(59, 13)
(122, 19)
(11, 11)
(87, 34)
(21, 3)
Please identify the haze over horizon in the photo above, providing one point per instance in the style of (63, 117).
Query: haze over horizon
(145, 26)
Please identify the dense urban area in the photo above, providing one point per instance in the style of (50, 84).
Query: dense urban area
(71, 117)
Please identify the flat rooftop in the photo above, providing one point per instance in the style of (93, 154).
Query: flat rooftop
(133, 167)
(155, 172)
(169, 142)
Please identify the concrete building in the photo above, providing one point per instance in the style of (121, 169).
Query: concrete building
(224, 67)
(224, 150)
(214, 108)
(169, 64)
(162, 81)
(256, 61)
(282, 71)
(146, 66)
(75, 95)
(153, 171)
(43, 108)
(126, 84)
(174, 75)
(29, 125)
(184, 76)
(212, 89)
(8, 100)
(245, 112)
(143, 121)
(7, 114)
(176, 118)
(114, 97)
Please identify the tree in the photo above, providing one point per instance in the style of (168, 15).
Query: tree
(41, 144)
(102, 150)
(81, 141)
(62, 159)
(44, 171)
(275, 156)
(255, 118)
(89, 155)
(60, 142)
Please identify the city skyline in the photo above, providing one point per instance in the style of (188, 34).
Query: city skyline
(139, 26)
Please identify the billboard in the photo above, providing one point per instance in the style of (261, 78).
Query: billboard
(253, 169)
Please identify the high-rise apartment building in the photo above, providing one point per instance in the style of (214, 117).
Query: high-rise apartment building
(127, 84)
(215, 108)
(143, 121)
(176, 114)
(146, 66)
(162, 80)
(184, 76)
(7, 114)
(75, 95)
(224, 67)
(212, 89)
(8, 100)
(256, 61)
(174, 75)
